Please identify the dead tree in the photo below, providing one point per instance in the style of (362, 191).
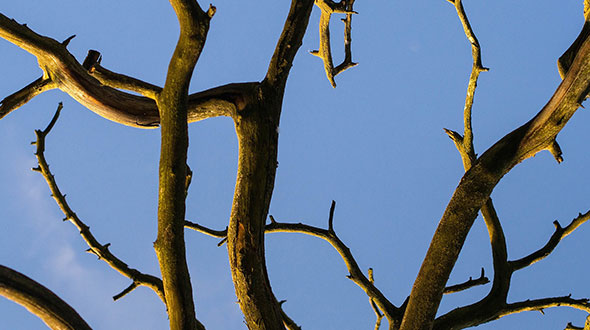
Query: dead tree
(255, 108)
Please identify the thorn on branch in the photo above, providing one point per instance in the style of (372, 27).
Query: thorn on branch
(67, 41)
(555, 150)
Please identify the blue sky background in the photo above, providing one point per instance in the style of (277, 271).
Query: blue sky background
(375, 145)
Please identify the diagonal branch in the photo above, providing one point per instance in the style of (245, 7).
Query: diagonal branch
(288, 44)
(559, 234)
(477, 184)
(39, 300)
(329, 7)
(100, 250)
(17, 99)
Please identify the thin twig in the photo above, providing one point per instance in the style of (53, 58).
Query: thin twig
(559, 234)
(100, 250)
(481, 280)
(378, 313)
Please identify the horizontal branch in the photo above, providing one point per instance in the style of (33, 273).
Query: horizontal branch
(481, 280)
(100, 250)
(392, 312)
(63, 70)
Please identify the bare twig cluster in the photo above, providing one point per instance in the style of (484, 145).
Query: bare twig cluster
(255, 108)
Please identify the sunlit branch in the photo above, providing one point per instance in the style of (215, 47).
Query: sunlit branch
(374, 306)
(100, 250)
(39, 300)
(478, 183)
(67, 74)
(117, 80)
(559, 234)
(355, 274)
(16, 100)
(329, 7)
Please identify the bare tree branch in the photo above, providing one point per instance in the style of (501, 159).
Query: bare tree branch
(481, 280)
(392, 312)
(100, 250)
(39, 300)
(288, 44)
(557, 236)
(67, 74)
(329, 7)
(16, 100)
(172, 104)
(477, 184)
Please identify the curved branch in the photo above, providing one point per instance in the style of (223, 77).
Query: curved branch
(559, 234)
(100, 250)
(328, 7)
(392, 312)
(39, 300)
(71, 77)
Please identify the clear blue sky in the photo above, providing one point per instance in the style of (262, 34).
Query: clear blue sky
(375, 145)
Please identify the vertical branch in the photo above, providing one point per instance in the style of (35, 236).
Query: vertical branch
(257, 121)
(172, 104)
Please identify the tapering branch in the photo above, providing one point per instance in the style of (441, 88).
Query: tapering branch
(329, 7)
(481, 280)
(16, 100)
(100, 250)
(67, 74)
(378, 313)
(39, 300)
(288, 44)
(559, 234)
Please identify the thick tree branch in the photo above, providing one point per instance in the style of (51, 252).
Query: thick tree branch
(477, 184)
(66, 73)
(172, 104)
(39, 300)
(288, 44)
(100, 250)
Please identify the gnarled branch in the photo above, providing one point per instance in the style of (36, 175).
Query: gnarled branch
(100, 250)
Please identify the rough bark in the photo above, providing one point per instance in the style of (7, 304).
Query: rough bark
(172, 104)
